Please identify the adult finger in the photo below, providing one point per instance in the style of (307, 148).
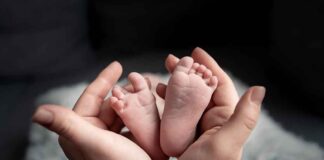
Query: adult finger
(170, 62)
(70, 150)
(215, 117)
(244, 119)
(225, 97)
(92, 98)
(107, 114)
(92, 141)
(161, 89)
(66, 123)
(225, 94)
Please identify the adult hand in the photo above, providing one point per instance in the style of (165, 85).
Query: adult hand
(228, 122)
(91, 131)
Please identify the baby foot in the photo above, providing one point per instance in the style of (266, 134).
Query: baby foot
(138, 111)
(188, 93)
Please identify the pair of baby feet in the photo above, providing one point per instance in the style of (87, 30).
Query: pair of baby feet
(188, 93)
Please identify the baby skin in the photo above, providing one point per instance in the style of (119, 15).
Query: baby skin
(188, 94)
(138, 111)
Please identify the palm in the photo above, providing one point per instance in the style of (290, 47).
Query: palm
(100, 125)
(212, 143)
(123, 146)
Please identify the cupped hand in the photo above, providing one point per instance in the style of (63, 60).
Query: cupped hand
(91, 130)
(228, 121)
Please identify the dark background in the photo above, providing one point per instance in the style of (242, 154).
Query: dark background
(44, 44)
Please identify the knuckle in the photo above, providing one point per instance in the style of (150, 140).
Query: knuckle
(223, 115)
(216, 117)
(66, 127)
(250, 121)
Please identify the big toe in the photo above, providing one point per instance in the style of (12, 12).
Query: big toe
(184, 64)
(138, 81)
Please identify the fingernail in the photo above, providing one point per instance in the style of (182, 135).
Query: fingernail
(258, 94)
(43, 116)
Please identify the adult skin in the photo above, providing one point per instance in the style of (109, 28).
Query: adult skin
(90, 131)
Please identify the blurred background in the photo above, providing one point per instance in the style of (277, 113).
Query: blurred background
(44, 44)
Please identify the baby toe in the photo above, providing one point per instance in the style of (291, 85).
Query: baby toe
(116, 104)
(200, 70)
(112, 100)
(184, 65)
(117, 92)
(195, 66)
(213, 82)
(192, 71)
(207, 74)
(138, 81)
(119, 106)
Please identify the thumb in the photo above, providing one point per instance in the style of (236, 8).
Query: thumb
(64, 122)
(244, 119)
(170, 62)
